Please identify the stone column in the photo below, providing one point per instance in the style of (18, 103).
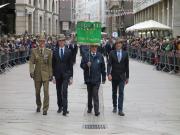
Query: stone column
(32, 30)
(163, 12)
(176, 18)
(168, 14)
(45, 23)
(36, 20)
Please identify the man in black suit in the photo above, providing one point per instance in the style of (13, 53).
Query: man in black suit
(118, 73)
(94, 68)
(63, 72)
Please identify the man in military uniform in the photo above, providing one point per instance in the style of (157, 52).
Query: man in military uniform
(41, 72)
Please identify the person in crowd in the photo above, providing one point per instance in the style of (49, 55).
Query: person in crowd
(94, 68)
(118, 74)
(40, 66)
(74, 48)
(109, 47)
(50, 44)
(62, 65)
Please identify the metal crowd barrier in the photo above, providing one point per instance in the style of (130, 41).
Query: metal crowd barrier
(162, 60)
(10, 59)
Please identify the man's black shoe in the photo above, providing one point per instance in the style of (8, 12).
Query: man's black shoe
(97, 114)
(59, 110)
(121, 113)
(64, 113)
(38, 110)
(45, 113)
(89, 111)
(114, 110)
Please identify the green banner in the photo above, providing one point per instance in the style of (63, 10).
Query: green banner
(88, 33)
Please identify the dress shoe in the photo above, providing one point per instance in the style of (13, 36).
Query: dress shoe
(121, 113)
(89, 111)
(64, 113)
(114, 110)
(97, 114)
(59, 110)
(45, 113)
(38, 110)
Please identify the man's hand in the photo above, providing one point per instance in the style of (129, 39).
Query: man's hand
(127, 81)
(103, 82)
(31, 75)
(89, 64)
(109, 77)
(54, 80)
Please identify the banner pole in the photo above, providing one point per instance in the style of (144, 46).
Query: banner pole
(89, 59)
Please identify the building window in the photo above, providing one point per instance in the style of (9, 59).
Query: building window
(56, 26)
(45, 4)
(29, 2)
(49, 26)
(40, 3)
(40, 24)
(53, 7)
(49, 5)
(36, 3)
(56, 7)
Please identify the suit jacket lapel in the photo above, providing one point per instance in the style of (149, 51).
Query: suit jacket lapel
(122, 55)
(65, 52)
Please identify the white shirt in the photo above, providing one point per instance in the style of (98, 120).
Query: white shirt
(93, 54)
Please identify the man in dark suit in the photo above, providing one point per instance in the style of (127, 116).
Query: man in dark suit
(63, 72)
(118, 73)
(94, 68)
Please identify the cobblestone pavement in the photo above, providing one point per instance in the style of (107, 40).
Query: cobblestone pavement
(152, 106)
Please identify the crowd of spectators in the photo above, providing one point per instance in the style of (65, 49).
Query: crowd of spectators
(16, 49)
(164, 53)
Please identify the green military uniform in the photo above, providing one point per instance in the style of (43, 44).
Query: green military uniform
(41, 71)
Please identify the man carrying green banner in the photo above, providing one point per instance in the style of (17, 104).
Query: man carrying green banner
(89, 33)
(94, 69)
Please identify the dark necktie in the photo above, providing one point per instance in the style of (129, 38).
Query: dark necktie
(62, 54)
(93, 55)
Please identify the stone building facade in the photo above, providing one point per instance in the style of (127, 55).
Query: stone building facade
(37, 16)
(119, 16)
(67, 16)
(91, 10)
